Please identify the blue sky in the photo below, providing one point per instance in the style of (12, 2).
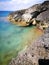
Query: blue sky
(4, 0)
(12, 5)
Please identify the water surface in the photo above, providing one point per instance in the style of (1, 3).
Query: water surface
(14, 39)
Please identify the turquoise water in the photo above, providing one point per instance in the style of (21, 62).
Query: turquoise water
(14, 39)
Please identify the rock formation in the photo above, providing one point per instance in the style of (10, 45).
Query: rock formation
(39, 49)
(26, 17)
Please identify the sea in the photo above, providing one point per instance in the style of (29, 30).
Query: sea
(14, 39)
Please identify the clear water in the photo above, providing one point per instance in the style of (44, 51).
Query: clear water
(14, 39)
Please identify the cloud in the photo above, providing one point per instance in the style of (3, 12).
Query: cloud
(17, 4)
(21, 1)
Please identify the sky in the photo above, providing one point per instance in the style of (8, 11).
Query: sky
(12, 5)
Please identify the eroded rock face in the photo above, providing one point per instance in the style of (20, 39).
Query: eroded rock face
(37, 50)
(43, 16)
(21, 17)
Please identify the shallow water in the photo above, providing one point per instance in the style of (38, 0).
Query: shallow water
(14, 38)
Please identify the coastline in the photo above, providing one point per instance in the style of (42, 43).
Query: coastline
(29, 42)
(39, 49)
(28, 34)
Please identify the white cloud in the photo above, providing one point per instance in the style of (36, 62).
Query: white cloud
(21, 1)
(17, 4)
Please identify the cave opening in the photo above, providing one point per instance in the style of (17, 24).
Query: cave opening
(43, 61)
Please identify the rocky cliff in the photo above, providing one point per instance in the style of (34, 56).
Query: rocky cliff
(31, 16)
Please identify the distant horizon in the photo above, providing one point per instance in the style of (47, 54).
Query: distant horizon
(14, 5)
(3, 10)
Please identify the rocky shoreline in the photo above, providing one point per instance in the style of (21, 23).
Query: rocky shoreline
(39, 49)
(35, 15)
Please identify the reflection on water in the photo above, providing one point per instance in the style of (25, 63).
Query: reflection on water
(14, 38)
